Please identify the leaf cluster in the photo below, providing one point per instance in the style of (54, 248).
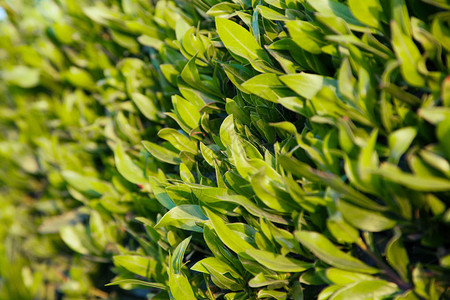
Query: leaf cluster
(276, 149)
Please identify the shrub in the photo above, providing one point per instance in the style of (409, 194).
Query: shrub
(238, 150)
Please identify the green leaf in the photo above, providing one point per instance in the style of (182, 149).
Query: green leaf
(370, 289)
(178, 140)
(207, 154)
(267, 86)
(408, 55)
(215, 263)
(237, 74)
(367, 162)
(252, 207)
(215, 245)
(139, 265)
(399, 14)
(146, 106)
(127, 168)
(79, 78)
(85, 184)
(331, 7)
(441, 32)
(399, 142)
(400, 94)
(277, 262)
(301, 169)
(185, 174)
(186, 111)
(191, 76)
(239, 41)
(22, 76)
(445, 261)
(180, 194)
(76, 238)
(368, 12)
(365, 219)
(268, 293)
(185, 217)
(222, 274)
(341, 230)
(231, 239)
(308, 85)
(329, 253)
(343, 278)
(414, 182)
(160, 193)
(327, 292)
(270, 192)
(138, 283)
(150, 41)
(161, 153)
(223, 9)
(176, 261)
(271, 14)
(397, 256)
(306, 36)
(434, 115)
(180, 287)
(260, 280)
(408, 295)
(97, 229)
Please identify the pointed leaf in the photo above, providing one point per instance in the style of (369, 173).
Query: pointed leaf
(329, 253)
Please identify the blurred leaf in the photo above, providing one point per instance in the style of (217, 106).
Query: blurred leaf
(22, 76)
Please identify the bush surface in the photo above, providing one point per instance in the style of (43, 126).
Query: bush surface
(295, 149)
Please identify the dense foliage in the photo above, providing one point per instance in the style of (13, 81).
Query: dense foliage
(276, 149)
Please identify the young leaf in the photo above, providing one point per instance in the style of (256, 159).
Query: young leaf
(267, 86)
(185, 217)
(414, 182)
(186, 111)
(146, 106)
(180, 287)
(231, 239)
(329, 253)
(176, 260)
(343, 278)
(365, 219)
(399, 141)
(307, 85)
(160, 193)
(139, 265)
(408, 55)
(332, 7)
(238, 40)
(307, 36)
(277, 262)
(178, 140)
(369, 289)
(127, 168)
(138, 283)
(368, 12)
(162, 153)
(397, 256)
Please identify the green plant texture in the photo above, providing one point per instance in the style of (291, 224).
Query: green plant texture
(240, 149)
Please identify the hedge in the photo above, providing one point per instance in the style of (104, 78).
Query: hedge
(276, 149)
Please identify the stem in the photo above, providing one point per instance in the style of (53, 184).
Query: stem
(389, 273)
